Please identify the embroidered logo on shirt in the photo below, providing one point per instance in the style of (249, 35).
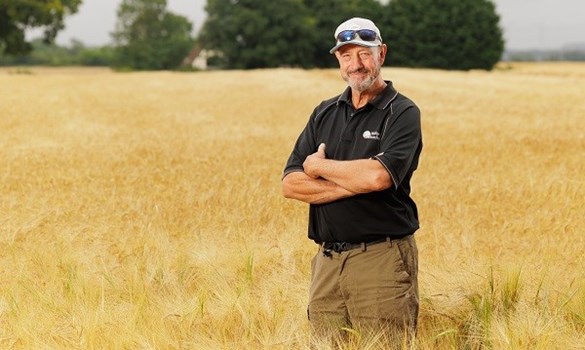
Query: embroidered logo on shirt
(371, 135)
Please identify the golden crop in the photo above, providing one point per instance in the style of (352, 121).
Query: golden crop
(143, 210)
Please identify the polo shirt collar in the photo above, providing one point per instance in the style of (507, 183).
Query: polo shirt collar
(381, 101)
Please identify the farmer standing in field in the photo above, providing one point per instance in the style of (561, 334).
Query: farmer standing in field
(353, 163)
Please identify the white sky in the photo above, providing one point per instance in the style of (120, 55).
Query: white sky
(527, 24)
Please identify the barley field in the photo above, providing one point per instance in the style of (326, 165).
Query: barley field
(143, 210)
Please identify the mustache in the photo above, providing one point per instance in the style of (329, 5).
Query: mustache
(359, 70)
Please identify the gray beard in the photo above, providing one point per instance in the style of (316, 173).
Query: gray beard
(364, 85)
(361, 87)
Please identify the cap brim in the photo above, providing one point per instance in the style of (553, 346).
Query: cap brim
(356, 42)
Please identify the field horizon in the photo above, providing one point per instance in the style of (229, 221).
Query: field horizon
(144, 211)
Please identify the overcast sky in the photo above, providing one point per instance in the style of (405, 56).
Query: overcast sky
(527, 24)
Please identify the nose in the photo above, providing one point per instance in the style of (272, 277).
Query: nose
(356, 62)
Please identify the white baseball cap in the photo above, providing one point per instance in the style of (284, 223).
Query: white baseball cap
(357, 31)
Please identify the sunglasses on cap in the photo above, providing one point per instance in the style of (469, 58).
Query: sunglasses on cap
(364, 34)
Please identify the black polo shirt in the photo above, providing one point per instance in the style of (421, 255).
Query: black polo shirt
(386, 129)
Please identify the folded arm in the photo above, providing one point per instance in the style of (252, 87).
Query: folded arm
(298, 185)
(356, 176)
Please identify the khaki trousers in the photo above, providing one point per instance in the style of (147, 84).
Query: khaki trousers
(369, 289)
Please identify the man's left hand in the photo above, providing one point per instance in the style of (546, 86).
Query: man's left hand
(312, 162)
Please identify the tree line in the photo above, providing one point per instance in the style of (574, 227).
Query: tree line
(248, 34)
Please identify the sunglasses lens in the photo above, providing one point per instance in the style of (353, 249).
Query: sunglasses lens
(346, 35)
(367, 35)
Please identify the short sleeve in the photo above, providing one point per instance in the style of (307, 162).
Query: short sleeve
(305, 146)
(401, 144)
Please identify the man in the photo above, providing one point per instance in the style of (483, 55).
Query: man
(353, 163)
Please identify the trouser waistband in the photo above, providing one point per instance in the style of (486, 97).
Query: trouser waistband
(339, 247)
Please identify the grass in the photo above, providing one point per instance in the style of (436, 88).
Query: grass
(143, 210)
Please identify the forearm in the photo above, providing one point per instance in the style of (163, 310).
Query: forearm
(300, 186)
(357, 176)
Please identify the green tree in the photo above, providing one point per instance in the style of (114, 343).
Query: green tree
(259, 33)
(148, 37)
(446, 34)
(18, 16)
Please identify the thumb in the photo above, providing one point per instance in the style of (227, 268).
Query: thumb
(321, 149)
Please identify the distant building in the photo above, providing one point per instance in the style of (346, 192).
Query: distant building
(198, 58)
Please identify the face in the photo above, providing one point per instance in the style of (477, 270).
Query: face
(359, 65)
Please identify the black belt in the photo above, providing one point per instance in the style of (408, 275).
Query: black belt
(339, 247)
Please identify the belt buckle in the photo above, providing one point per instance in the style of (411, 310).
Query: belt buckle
(337, 247)
(341, 246)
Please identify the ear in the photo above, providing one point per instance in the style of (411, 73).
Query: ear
(337, 54)
(383, 51)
